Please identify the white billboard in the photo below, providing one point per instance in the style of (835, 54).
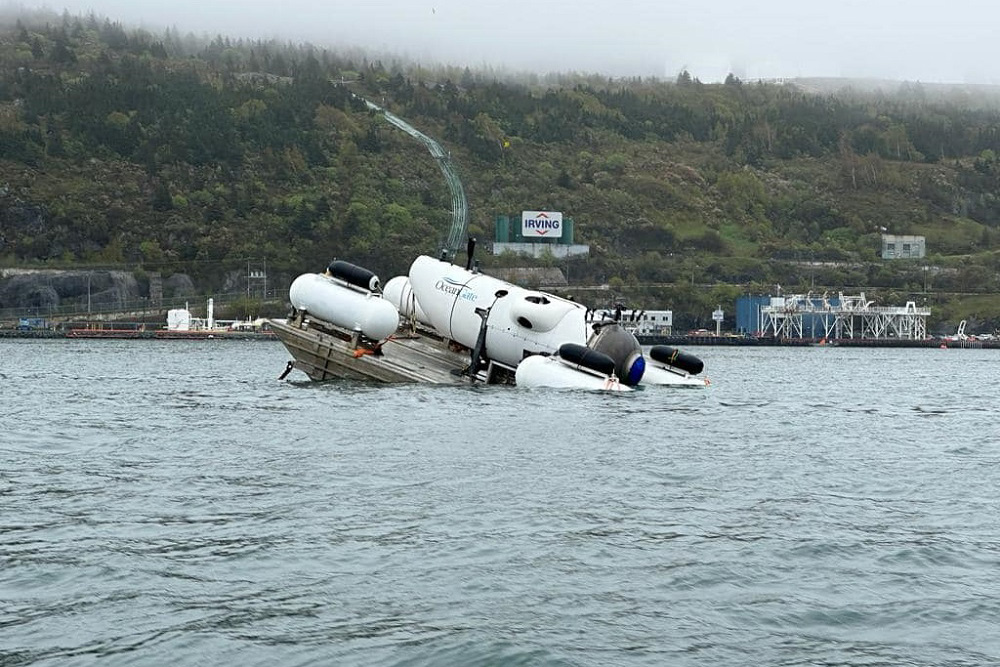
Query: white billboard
(541, 224)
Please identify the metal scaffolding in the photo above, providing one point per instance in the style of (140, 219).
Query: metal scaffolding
(814, 316)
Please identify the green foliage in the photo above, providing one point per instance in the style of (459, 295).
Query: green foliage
(135, 147)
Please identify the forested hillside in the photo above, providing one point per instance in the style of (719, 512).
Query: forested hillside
(124, 148)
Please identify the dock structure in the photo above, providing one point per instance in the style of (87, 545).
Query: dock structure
(801, 316)
(323, 352)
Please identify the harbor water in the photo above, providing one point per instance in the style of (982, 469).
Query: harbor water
(174, 503)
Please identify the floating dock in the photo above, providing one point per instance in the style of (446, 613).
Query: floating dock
(323, 352)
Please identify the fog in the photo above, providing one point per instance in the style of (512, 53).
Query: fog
(885, 39)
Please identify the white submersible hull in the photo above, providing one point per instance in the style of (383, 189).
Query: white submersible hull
(461, 326)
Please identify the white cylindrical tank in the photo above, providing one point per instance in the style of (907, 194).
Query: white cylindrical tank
(658, 375)
(399, 293)
(520, 321)
(179, 319)
(347, 307)
(539, 371)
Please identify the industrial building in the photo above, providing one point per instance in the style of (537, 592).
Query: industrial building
(903, 247)
(537, 233)
(801, 316)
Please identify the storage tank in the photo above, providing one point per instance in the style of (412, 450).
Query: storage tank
(179, 319)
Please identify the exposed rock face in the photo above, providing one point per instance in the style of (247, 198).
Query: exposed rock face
(178, 284)
(22, 218)
(18, 219)
(31, 295)
(45, 290)
(235, 281)
(48, 289)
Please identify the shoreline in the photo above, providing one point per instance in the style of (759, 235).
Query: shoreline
(688, 341)
(675, 341)
(136, 334)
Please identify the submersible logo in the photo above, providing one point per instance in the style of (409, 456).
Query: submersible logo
(455, 288)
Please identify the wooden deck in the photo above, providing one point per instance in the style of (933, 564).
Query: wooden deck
(324, 352)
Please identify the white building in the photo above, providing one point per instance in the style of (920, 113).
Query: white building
(641, 322)
(903, 247)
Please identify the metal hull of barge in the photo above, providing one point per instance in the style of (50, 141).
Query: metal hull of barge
(324, 352)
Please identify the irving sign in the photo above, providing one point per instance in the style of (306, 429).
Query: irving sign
(544, 224)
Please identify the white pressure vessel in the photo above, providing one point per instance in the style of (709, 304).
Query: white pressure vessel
(399, 293)
(520, 321)
(540, 371)
(658, 375)
(349, 307)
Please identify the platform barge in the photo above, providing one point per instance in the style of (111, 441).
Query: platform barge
(324, 351)
(442, 324)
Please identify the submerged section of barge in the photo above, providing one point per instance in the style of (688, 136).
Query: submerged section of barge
(323, 352)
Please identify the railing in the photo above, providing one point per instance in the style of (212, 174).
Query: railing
(77, 308)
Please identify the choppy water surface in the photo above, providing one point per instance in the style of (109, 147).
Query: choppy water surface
(172, 502)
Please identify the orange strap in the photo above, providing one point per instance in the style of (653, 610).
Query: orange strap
(362, 351)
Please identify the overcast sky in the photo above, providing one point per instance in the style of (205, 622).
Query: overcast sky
(946, 42)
